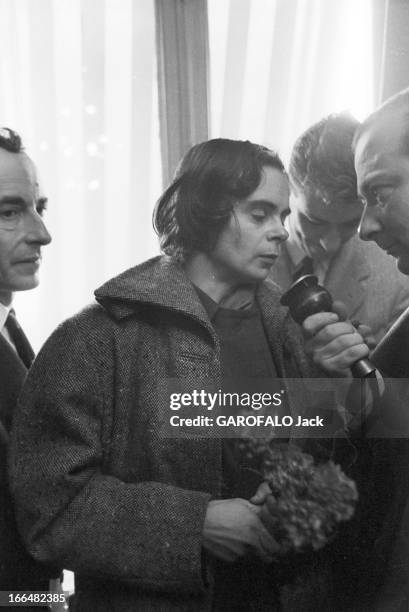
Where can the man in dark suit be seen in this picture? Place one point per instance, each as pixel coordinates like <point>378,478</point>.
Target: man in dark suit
<point>381,148</point>
<point>22,234</point>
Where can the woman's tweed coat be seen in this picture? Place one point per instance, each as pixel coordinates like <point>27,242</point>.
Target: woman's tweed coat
<point>98,490</point>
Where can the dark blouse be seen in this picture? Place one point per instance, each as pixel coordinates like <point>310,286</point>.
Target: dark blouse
<point>245,354</point>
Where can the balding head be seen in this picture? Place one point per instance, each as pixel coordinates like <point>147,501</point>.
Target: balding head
<point>381,148</point>
<point>393,116</point>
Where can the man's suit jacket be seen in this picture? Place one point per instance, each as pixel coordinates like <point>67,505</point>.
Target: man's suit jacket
<point>376,293</point>
<point>363,277</point>
<point>18,571</point>
<point>389,567</point>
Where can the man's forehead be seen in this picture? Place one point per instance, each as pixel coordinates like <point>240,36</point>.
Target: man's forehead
<point>381,139</point>
<point>16,168</point>
<point>11,160</point>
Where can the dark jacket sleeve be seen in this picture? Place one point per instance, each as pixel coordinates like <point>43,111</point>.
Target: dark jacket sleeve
<point>69,511</point>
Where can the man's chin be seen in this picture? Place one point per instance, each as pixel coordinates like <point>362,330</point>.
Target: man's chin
<point>25,284</point>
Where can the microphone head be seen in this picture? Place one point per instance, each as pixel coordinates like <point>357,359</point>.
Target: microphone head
<point>306,297</point>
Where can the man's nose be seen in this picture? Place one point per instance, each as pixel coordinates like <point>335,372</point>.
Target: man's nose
<point>369,224</point>
<point>37,231</point>
<point>332,240</point>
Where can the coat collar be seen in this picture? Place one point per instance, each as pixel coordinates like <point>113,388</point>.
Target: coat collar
<point>280,331</point>
<point>158,282</point>
<point>161,282</point>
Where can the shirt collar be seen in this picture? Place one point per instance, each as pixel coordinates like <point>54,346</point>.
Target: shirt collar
<point>296,253</point>
<point>4,313</point>
<point>240,301</point>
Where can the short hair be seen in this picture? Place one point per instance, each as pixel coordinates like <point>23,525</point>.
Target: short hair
<point>10,140</point>
<point>211,177</point>
<point>322,158</point>
<point>399,103</point>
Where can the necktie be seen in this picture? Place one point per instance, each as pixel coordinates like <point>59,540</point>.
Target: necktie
<point>304,267</point>
<point>23,347</point>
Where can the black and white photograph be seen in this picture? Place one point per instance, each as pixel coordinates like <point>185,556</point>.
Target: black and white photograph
<point>204,305</point>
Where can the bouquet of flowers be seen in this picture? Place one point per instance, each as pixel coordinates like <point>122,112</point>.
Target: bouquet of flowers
<point>310,499</point>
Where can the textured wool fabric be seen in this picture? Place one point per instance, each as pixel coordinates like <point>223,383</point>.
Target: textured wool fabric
<point>97,488</point>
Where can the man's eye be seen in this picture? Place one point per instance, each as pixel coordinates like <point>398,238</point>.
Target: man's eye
<point>9,213</point>
<point>381,195</point>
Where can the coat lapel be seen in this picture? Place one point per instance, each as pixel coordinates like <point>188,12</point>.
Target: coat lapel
<point>346,275</point>
<point>161,283</point>
<point>273,315</point>
<point>391,354</point>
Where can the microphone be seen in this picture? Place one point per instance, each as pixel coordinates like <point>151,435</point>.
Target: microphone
<point>306,297</point>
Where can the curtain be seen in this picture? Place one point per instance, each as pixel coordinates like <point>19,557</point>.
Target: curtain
<point>277,66</point>
<point>78,82</point>
<point>182,43</point>
<point>395,56</point>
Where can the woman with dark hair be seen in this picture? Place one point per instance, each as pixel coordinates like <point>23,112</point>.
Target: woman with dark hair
<point>211,177</point>
<point>146,521</point>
